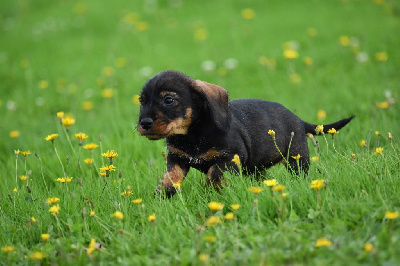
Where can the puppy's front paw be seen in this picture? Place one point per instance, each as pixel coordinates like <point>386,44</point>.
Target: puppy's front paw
<point>165,191</point>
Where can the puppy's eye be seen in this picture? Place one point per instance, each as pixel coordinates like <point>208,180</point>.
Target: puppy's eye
<point>168,100</point>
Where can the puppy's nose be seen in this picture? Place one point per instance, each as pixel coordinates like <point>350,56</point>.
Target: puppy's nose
<point>146,123</point>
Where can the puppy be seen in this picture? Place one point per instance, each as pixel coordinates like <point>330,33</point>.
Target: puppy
<point>204,130</point>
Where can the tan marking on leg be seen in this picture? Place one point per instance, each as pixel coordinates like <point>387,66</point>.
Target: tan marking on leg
<point>175,175</point>
<point>210,154</point>
<point>176,151</point>
<point>216,184</point>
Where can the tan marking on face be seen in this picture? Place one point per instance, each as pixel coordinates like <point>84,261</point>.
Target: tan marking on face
<point>210,154</point>
<point>173,176</point>
<point>180,126</point>
<point>176,151</point>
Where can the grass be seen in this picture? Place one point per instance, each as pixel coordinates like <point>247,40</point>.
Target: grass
<point>61,56</point>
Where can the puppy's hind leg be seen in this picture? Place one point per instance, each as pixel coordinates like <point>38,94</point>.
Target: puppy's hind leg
<point>215,173</point>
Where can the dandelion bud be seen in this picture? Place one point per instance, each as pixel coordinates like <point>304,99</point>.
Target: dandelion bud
<point>100,138</point>
<point>10,197</point>
<point>120,174</point>
<point>390,136</point>
<point>37,155</point>
<point>29,189</point>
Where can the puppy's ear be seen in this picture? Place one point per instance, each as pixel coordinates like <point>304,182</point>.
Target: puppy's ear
<point>217,99</point>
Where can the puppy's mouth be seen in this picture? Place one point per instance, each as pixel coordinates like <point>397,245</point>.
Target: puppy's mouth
<point>154,136</point>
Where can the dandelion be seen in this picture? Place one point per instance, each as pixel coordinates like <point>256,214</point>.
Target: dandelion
<point>213,221</point>
<point>87,105</point>
<point>120,62</point>
<point>279,188</point>
<point>23,177</point>
<point>256,190</point>
<point>271,133</point>
<point>108,71</point>
<point>110,154</point>
<point>297,157</point>
<point>319,129</point>
<point>15,190</point>
<point>34,220</point>
<point>66,179</point>
<point>248,13</point>
<point>284,195</point>
<point>107,93</point>
<point>368,247</point>
<point>68,121</point>
<point>235,207</point>
<point>90,146</point>
<point>200,34</point>
<point>290,53</point>
<point>391,215</point>
<point>321,114</point>
<point>382,105</point>
<point>43,84</point>
<point>381,56</point>
<point>315,159</point>
<point>323,242</point>
<point>55,209</point>
<point>37,255</point>
<point>141,26</point>
<point>137,201</point>
<point>333,131</point>
<point>378,150</point>
<point>215,206</point>
<point>177,185</point>
<point>353,156</point>
<point>152,217</point>
<point>270,183</point>
<point>92,213</point>
<point>81,137</point>
<point>363,143</point>
<point>52,200</point>
<point>204,258</point>
<point>25,153</point>
<point>127,193</point>
<point>210,238</point>
<point>317,184</point>
<point>344,40</point>
<point>308,61</point>
<point>92,246</point>
<point>236,159</point>
<point>51,137</point>
<point>118,215</point>
<point>45,237</point>
<point>136,99</point>
<point>7,249</point>
<point>107,169</point>
<point>14,134</point>
<point>60,115</point>
<point>229,216</point>
<point>88,161</point>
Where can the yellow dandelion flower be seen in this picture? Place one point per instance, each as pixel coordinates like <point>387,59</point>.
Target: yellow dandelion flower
<point>66,179</point>
<point>382,105</point>
<point>378,150</point>
<point>271,182</point>
<point>107,93</point>
<point>308,61</point>
<point>81,136</point>
<point>284,195</point>
<point>279,188</point>
<point>68,121</point>
<point>256,190</point>
<point>321,114</point>
<point>137,201</point>
<point>92,246</point>
<point>235,207</point>
<point>87,105</point>
<point>107,168</point>
<point>88,161</point>
<point>120,62</point>
<point>55,209</point>
<point>141,26</point>
<point>248,13</point>
<point>7,249</point>
<point>333,131</point>
<point>52,200</point>
<point>368,247</point>
<point>229,216</point>
<point>204,258</point>
<point>213,221</point>
<point>152,217</point>
<point>391,215</point>
<point>34,220</point>
<point>127,193</point>
<point>200,34</point>
<point>177,184</point>
<point>290,53</point>
<point>353,156</point>
<point>297,157</point>
<point>37,255</point>
<point>17,152</point>
<point>14,134</point>
<point>215,206</point>
<point>110,154</point>
<point>25,153</point>
<point>377,132</point>
<point>319,129</point>
<point>43,84</point>
<point>381,56</point>
<point>236,159</point>
<point>90,146</point>
<point>210,238</point>
<point>363,143</point>
<point>271,133</point>
<point>118,215</point>
<point>45,237</point>
<point>323,242</point>
<point>317,184</point>
<point>136,99</point>
<point>23,177</point>
<point>60,115</point>
<point>315,159</point>
<point>344,40</point>
<point>15,190</point>
<point>51,137</point>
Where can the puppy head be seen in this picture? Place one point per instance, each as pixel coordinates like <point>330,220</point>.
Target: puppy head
<point>172,101</point>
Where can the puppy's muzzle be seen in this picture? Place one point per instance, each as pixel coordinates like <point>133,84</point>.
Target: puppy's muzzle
<point>146,123</point>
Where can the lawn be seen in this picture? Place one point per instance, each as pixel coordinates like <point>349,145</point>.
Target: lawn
<point>70,67</point>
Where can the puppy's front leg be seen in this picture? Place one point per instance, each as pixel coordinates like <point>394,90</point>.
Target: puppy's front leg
<point>215,173</point>
<point>176,173</point>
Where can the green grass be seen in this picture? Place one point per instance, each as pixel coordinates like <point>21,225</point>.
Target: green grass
<point>69,44</point>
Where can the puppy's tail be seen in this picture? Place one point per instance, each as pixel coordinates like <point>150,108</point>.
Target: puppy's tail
<point>310,128</point>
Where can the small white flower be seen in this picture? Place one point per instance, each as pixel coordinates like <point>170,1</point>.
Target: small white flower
<point>231,63</point>
<point>208,65</point>
<point>146,72</point>
<point>362,57</point>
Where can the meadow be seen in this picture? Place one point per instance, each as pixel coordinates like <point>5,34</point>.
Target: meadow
<point>78,182</point>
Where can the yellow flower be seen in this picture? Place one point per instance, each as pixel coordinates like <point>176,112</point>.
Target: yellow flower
<point>279,188</point>
<point>14,134</point>
<point>66,179</point>
<point>204,258</point>
<point>382,105</point>
<point>377,132</point>
<point>92,246</point>
<point>284,195</point>
<point>120,62</point>
<point>177,184</point>
<point>52,200</point>
<point>25,153</point>
<point>368,247</point>
<point>256,190</point>
<point>315,159</point>
<point>37,255</point>
<point>308,61</point>
<point>321,114</point>
<point>81,136</point>
<point>107,93</point>
<point>23,177</point>
<point>391,215</point>
<point>333,131</point>
<point>271,133</point>
<point>7,249</point>
<point>136,99</point>
<point>215,206</point>
<point>51,137</point>
<point>60,115</point>
<point>87,105</point>
<point>127,193</point>
<point>210,238</point>
<point>92,213</point>
<point>213,221</point>
<point>34,220</point>
<point>55,209</point>
<point>68,121</point>
<point>235,207</point>
<point>378,150</point>
<point>290,53</point>
<point>110,154</point>
<point>381,56</point>
<point>152,217</point>
<point>323,242</point>
<point>88,161</point>
<point>297,157</point>
<point>15,190</point>
<point>108,71</point>
<point>45,237</point>
<point>17,152</point>
<point>108,168</point>
<point>236,159</point>
<point>43,84</point>
<point>319,129</point>
<point>248,13</point>
<point>118,215</point>
<point>141,26</point>
<point>200,34</point>
<point>271,182</point>
<point>317,184</point>
<point>353,156</point>
<point>90,146</point>
<point>137,201</point>
<point>229,216</point>
<point>363,143</point>
<point>344,40</point>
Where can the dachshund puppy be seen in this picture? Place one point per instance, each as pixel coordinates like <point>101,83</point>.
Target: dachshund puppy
<point>204,130</point>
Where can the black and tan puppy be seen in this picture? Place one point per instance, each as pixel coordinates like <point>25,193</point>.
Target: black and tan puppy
<point>205,130</point>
